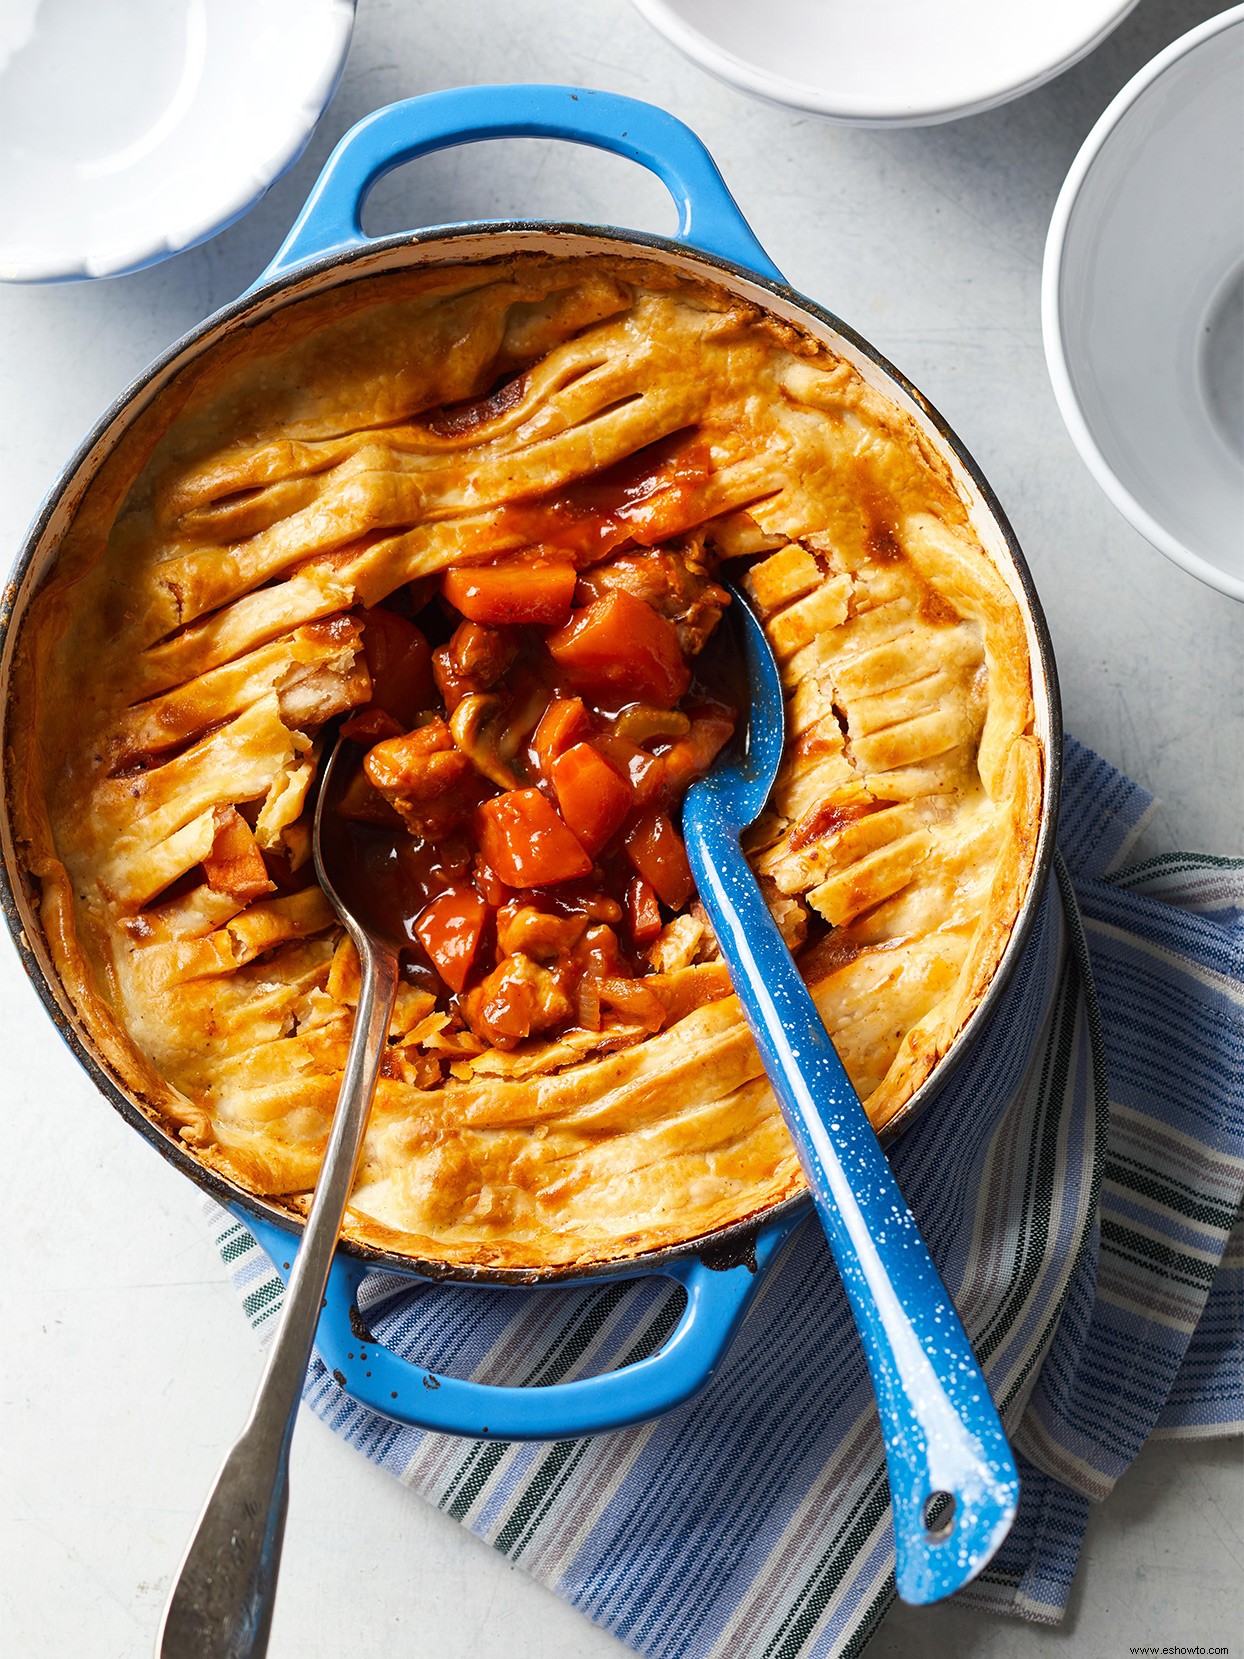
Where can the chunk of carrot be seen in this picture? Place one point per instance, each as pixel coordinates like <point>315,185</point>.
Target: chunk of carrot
<point>657,853</point>
<point>643,914</point>
<point>537,591</point>
<point>489,883</point>
<point>527,843</point>
<point>594,799</point>
<point>564,723</point>
<point>646,772</point>
<point>450,930</point>
<point>619,646</point>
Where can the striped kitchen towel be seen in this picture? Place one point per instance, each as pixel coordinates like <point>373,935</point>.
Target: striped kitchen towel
<point>1084,1227</point>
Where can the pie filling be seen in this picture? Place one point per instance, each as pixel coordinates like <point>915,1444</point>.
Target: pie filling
<point>513,821</point>
<point>480,518</point>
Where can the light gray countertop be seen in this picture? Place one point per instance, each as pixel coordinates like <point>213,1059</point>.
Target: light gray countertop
<point>127,1365</point>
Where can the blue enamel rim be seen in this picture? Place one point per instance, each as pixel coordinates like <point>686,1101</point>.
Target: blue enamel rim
<point>719,1270</point>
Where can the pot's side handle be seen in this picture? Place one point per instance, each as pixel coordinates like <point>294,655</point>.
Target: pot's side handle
<point>709,218</point>
<point>374,1376</point>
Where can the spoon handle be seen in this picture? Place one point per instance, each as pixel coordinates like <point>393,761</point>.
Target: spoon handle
<point>221,1606</point>
<point>942,1434</point>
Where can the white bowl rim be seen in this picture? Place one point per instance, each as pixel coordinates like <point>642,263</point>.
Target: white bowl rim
<point>35,267</point>
<point>864,112</point>
<point>1051,312</point>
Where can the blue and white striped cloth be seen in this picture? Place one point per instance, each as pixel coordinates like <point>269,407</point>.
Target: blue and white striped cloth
<point>1084,1226</point>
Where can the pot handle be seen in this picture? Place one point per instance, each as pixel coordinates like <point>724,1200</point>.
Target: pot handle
<point>375,1377</point>
<point>709,217</point>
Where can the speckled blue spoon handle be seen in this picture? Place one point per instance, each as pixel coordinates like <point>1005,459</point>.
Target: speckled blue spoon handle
<point>942,1433</point>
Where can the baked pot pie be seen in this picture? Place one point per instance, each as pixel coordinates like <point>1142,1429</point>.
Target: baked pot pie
<point>482,515</point>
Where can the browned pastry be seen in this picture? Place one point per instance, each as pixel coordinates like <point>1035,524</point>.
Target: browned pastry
<point>210,610</point>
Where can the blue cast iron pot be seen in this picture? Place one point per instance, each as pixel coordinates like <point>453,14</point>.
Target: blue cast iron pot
<point>326,248</point>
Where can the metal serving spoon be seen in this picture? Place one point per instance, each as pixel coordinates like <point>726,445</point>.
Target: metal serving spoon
<point>953,1482</point>
<point>221,1606</point>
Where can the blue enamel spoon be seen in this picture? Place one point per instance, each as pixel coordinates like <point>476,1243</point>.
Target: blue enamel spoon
<point>953,1482</point>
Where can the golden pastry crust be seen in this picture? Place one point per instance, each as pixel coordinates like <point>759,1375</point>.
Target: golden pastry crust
<point>197,629</point>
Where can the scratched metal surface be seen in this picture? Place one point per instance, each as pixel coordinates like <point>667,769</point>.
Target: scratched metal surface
<point>127,1365</point>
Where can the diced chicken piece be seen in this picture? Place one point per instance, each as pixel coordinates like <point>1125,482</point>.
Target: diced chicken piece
<point>518,999</point>
<point>473,661</point>
<point>311,693</point>
<point>422,776</point>
<point>600,955</point>
<point>521,928</point>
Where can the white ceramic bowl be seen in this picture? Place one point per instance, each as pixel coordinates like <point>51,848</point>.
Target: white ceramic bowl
<point>130,132</point>
<point>1143,302</point>
<point>894,63</point>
